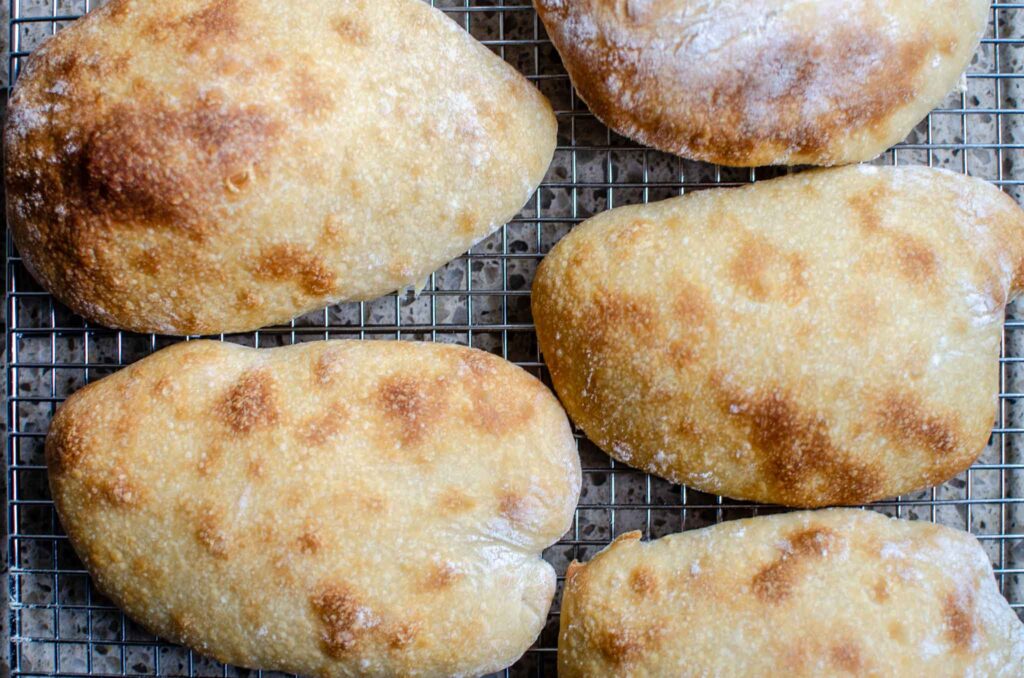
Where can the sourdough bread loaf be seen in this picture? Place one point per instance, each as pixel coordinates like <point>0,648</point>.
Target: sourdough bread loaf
<point>807,594</point>
<point>327,509</point>
<point>775,82</point>
<point>208,166</point>
<point>830,337</point>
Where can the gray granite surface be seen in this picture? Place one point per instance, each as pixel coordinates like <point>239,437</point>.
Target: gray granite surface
<point>64,626</point>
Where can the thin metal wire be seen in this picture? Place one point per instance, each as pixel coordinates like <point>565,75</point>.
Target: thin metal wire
<point>61,626</point>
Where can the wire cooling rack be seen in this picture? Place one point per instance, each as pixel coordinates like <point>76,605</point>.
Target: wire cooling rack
<point>61,626</point>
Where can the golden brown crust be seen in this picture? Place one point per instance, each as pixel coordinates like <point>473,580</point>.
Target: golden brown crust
<point>234,170</point>
<point>242,523</point>
<point>787,595</point>
<point>778,343</point>
<point>778,82</point>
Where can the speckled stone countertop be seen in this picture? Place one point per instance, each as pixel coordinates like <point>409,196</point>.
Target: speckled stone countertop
<point>483,300</point>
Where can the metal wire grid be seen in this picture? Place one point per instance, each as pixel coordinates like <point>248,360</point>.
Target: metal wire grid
<point>61,626</point>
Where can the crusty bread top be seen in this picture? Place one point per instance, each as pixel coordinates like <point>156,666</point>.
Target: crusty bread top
<point>825,338</point>
<point>331,508</point>
<point>203,166</point>
<point>807,594</point>
<point>769,82</point>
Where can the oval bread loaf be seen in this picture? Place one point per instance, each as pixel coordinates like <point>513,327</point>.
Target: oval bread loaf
<point>825,338</point>
<point>827,593</point>
<point>207,166</point>
<point>329,509</point>
<point>771,82</point>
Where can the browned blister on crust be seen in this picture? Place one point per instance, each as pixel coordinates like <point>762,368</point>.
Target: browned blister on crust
<point>772,82</point>
<point>827,593</point>
<point>201,166</point>
<point>330,509</point>
<point>825,338</point>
